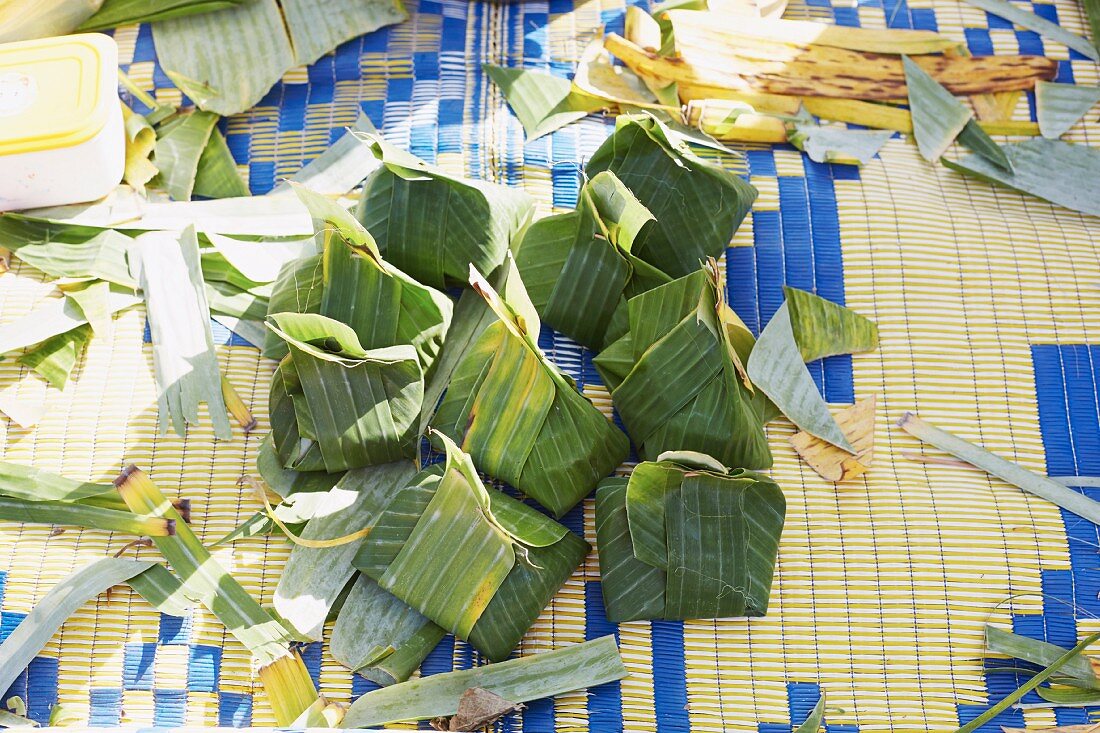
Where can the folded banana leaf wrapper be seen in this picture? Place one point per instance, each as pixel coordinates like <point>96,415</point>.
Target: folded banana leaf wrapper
<point>434,226</point>
<point>698,206</point>
<point>686,328</point>
<point>520,417</point>
<point>685,537</point>
<point>472,560</point>
<point>351,389</point>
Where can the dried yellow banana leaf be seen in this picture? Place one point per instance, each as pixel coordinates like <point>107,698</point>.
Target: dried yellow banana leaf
<point>473,560</point>
<point>687,538</point>
<point>686,328</point>
<point>520,417</point>
<point>811,70</point>
<point>858,425</point>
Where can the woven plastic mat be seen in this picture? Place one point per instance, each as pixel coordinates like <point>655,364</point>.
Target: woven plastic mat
<point>988,305</point>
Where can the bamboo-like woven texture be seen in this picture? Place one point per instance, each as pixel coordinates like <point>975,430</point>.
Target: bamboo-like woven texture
<point>987,303</point>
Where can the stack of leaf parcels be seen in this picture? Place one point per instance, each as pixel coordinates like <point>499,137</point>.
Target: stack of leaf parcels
<point>350,391</point>
<point>685,537</point>
<point>521,418</point>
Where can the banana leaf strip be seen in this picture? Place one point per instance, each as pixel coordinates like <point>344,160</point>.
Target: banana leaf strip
<point>184,361</point>
<point>342,167</point>
<point>977,140</point>
<point>53,317</point>
<point>730,28</point>
<point>273,216</point>
<point>1069,697</point>
<point>257,262</point>
<point>1007,471</point>
<point>475,561</point>
<point>683,541</point>
<point>812,724</point>
<point>1058,107</point>
<point>94,300</point>
<point>162,590</point>
<point>358,407</point>
<point>217,176</point>
<point>180,143</point>
<point>518,680</point>
<point>32,484</point>
<point>542,102</point>
<point>39,626</point>
<point>938,117</point>
<point>1079,672</point>
<point>521,419</point>
<point>837,144</point>
<point>434,226</point>
<point>823,328</point>
<point>379,636</point>
<point>1039,24</point>
<point>650,162</point>
<point>1048,169</point>
<point>313,578</point>
<point>83,515</point>
<point>686,328</point>
<point>141,139</point>
<point>227,60</point>
<point>55,358</point>
<point>777,369</point>
<point>102,255</point>
<point>228,300</point>
<point>1092,482</point>
<point>113,13</point>
<point>578,266</point>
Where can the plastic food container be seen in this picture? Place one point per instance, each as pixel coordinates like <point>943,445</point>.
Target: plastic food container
<point>61,131</point>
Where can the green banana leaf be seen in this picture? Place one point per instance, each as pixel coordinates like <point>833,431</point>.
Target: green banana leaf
<point>113,13</point>
<point>709,205</point>
<point>1048,169</point>
<point>94,300</point>
<point>1058,107</point>
<point>832,144</point>
<point>180,143</point>
<point>813,721</point>
<point>185,363</point>
<point>342,167</point>
<point>313,577</point>
<point>475,561</point>
<point>380,636</point>
<point>680,540</point>
<point>297,289</point>
<point>578,266</point>
<point>938,117</point>
<point>360,407</point>
<point>776,368</point>
<point>1078,672</point>
<point>33,484</point>
<point>686,328</point>
<point>521,419</point>
<point>822,328</point>
<point>54,317</point>
<point>1068,697</point>
<point>55,358</point>
<point>217,176</point>
<point>542,102</point>
<point>978,140</point>
<point>76,252</point>
<point>227,60</point>
<point>471,222</point>
<point>517,680</point>
<point>82,515</point>
<point>1039,24</point>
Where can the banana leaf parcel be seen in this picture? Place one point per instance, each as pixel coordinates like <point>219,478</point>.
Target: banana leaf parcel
<point>686,328</point>
<point>350,391</point>
<point>686,538</point>
<point>433,225</point>
<point>698,221</point>
<point>475,561</point>
<point>579,268</point>
<point>520,417</point>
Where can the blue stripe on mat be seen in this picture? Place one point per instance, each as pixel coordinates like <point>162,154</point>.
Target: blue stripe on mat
<point>669,677</point>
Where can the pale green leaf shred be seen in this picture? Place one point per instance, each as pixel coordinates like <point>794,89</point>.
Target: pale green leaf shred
<point>1058,107</point>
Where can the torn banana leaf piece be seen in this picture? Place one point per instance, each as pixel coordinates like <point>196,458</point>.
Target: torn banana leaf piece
<point>938,117</point>
<point>520,417</point>
<point>55,358</point>
<point>180,143</point>
<point>1059,172</point>
<point>313,577</point>
<point>434,226</point>
<point>826,144</point>
<point>70,252</point>
<point>342,167</point>
<point>681,540</point>
<point>687,329</point>
<point>380,636</point>
<point>227,60</point>
<point>1058,107</point>
<point>823,328</point>
<point>475,561</point>
<point>542,102</point>
<point>53,317</point>
<point>185,363</point>
<point>579,268</point>
<point>700,220</point>
<point>777,369</point>
<point>518,680</point>
<point>858,425</point>
<point>141,139</point>
<point>359,407</point>
<point>1079,672</point>
<point>113,13</point>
